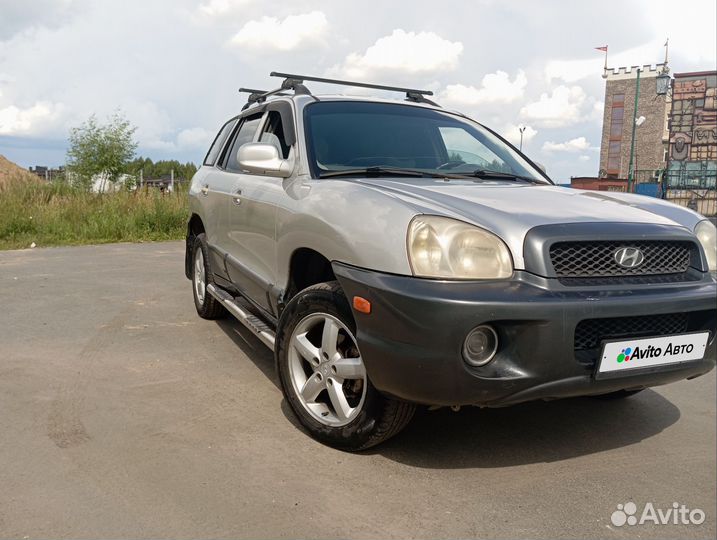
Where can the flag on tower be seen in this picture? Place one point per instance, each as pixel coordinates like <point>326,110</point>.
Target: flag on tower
<point>603,49</point>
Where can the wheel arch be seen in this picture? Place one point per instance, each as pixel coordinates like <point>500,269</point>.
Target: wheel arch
<point>307,267</point>
<point>195,226</point>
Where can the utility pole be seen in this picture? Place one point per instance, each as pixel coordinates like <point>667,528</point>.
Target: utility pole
<point>171,181</point>
<point>631,172</point>
<point>521,129</point>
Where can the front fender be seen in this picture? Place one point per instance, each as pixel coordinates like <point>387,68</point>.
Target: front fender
<point>345,222</point>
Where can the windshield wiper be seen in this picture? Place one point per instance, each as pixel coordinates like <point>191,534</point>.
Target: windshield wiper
<point>382,171</point>
<point>497,175</point>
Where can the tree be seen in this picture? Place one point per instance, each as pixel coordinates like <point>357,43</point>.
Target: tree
<point>158,169</point>
<point>100,149</point>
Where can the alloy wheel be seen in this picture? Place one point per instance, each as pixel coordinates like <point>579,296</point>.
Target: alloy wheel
<point>326,369</point>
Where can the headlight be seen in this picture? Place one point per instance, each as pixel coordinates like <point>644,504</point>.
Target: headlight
<point>440,247</point>
<point>706,233</point>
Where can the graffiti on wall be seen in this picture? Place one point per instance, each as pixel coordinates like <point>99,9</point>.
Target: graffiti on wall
<point>693,131</point>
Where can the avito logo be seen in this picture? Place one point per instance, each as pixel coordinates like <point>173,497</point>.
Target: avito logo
<point>679,514</point>
<point>639,353</point>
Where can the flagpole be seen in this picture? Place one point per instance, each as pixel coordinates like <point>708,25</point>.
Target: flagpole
<point>603,49</point>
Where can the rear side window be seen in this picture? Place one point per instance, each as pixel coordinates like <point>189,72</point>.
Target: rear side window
<point>274,134</point>
<point>245,134</point>
<point>219,142</point>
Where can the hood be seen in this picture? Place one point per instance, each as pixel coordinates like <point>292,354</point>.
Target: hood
<point>510,210</point>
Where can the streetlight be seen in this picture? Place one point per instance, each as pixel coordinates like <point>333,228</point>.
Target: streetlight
<point>662,87</point>
<point>521,129</point>
<point>663,83</point>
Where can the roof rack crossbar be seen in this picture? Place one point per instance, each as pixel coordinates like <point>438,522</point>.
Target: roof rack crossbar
<point>251,91</point>
<point>259,96</point>
<point>292,81</point>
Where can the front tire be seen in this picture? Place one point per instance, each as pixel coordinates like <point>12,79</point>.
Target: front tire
<point>323,377</point>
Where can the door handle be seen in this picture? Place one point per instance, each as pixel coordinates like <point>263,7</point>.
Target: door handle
<point>235,198</point>
<point>205,189</point>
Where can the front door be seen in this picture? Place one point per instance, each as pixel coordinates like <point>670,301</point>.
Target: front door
<point>252,219</point>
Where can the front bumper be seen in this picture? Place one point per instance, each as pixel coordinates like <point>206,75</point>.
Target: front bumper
<point>411,342</point>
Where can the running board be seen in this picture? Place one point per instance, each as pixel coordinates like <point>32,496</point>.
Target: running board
<point>262,330</point>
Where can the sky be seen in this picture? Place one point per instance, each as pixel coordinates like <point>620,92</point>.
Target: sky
<point>173,67</point>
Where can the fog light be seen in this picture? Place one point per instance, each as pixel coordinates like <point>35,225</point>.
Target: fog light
<point>480,345</point>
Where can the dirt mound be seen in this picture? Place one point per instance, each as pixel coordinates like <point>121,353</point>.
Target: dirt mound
<point>10,172</point>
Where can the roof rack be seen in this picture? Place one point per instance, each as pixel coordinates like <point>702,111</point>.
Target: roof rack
<point>257,96</point>
<point>296,83</point>
<point>291,81</point>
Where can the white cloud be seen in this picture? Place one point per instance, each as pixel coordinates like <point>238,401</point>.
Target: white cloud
<point>408,52</point>
<point>195,137</point>
<point>215,8</point>
<point>495,88</point>
<point>21,16</point>
<point>584,158</point>
<point>578,144</point>
<point>512,133</point>
<point>17,121</point>
<point>563,107</point>
<point>571,71</point>
<point>282,35</point>
<point>692,41</point>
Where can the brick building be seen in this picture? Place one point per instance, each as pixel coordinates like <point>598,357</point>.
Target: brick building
<point>598,184</point>
<point>651,136</point>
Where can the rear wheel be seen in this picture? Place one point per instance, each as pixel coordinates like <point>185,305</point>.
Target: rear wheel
<point>207,306</point>
<point>323,376</point>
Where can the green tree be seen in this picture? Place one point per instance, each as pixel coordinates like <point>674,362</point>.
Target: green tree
<point>100,149</point>
<point>157,169</point>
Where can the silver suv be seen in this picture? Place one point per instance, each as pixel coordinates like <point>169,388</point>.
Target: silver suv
<point>395,254</point>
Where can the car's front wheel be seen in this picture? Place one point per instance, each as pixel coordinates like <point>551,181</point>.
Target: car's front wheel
<point>323,376</point>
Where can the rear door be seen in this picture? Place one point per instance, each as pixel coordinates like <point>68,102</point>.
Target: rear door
<point>211,197</point>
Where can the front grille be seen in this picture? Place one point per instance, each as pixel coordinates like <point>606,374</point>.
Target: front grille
<point>591,332</point>
<point>573,260</point>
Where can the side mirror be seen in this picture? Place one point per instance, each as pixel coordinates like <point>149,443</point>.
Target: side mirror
<point>541,167</point>
<point>263,158</point>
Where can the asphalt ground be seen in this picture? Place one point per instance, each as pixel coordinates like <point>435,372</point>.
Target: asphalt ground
<point>124,415</point>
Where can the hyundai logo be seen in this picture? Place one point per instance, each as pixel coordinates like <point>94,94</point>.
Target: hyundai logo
<point>629,257</point>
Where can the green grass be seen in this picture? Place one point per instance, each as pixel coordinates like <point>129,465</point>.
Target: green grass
<point>58,215</point>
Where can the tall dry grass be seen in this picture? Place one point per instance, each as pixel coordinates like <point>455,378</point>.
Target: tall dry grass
<point>55,214</point>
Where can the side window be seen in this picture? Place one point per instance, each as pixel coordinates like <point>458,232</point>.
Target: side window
<point>274,133</point>
<point>243,135</point>
<point>216,146</point>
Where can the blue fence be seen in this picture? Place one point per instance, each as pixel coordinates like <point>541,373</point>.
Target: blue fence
<point>649,189</point>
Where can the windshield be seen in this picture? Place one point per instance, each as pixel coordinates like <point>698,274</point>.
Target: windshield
<point>351,136</point>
